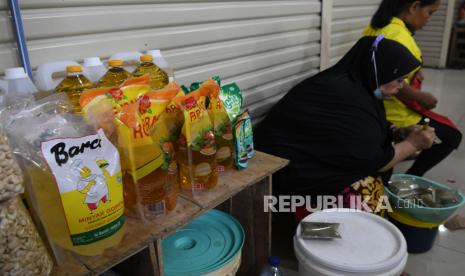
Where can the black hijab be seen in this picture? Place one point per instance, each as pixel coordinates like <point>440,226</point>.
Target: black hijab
<point>331,126</point>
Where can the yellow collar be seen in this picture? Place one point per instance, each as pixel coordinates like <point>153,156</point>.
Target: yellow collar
<point>400,22</point>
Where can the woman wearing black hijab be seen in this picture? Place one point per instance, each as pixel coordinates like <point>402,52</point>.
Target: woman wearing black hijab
<point>333,129</point>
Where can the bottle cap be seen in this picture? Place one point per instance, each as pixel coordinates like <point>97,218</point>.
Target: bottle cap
<point>15,73</point>
<point>73,69</point>
<point>92,61</point>
<point>146,58</point>
<point>274,261</point>
<point>115,62</point>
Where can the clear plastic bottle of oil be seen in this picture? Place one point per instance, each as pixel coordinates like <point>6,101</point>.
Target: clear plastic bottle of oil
<point>158,77</point>
<point>115,76</point>
<point>73,85</point>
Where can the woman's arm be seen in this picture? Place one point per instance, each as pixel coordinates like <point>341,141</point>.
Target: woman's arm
<point>426,99</point>
<point>418,139</point>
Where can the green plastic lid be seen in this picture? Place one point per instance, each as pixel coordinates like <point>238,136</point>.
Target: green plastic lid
<point>207,244</point>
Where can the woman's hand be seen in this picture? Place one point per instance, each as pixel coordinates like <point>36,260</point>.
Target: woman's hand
<point>421,137</point>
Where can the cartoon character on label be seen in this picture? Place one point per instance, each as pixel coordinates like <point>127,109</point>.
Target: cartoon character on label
<point>94,186</point>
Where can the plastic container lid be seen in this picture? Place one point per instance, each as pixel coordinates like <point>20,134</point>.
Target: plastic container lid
<point>92,61</point>
<point>146,58</point>
<point>207,244</point>
<point>411,221</point>
<point>73,68</point>
<point>15,73</point>
<point>115,62</point>
<point>369,243</point>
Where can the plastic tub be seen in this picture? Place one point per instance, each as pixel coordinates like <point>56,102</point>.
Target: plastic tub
<point>427,214</point>
<point>419,235</point>
<point>210,245</point>
<point>370,245</point>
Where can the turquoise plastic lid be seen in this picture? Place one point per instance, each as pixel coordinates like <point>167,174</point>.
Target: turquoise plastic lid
<point>207,244</point>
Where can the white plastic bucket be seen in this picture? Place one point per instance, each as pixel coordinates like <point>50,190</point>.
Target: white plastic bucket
<point>370,245</point>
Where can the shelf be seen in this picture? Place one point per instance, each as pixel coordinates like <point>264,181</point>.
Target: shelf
<point>141,236</point>
<point>261,166</point>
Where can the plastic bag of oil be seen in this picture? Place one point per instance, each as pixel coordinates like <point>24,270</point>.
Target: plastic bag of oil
<point>149,170</point>
<point>222,127</point>
<point>74,175</point>
<point>197,165</point>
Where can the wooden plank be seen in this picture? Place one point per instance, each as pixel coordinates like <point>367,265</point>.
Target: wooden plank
<point>183,214</point>
<point>157,245</point>
<point>261,166</point>
<point>262,223</point>
<point>71,267</point>
<point>242,210</point>
<point>139,236</point>
<point>146,238</point>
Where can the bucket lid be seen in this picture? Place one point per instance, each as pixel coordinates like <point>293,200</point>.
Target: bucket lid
<point>207,244</point>
<point>404,218</point>
<point>369,243</point>
<point>92,61</point>
<point>15,73</point>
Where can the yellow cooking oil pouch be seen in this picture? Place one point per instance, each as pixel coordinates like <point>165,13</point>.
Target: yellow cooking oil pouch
<point>198,168</point>
<point>146,184</point>
<point>74,176</point>
<point>222,127</point>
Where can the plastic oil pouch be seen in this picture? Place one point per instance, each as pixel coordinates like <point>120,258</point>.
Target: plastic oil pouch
<point>74,176</point>
<point>319,230</point>
<point>222,128</point>
<point>198,166</point>
<point>149,185</point>
<point>231,97</point>
<point>243,141</point>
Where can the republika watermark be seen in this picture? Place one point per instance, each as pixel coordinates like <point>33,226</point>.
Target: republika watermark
<point>288,203</point>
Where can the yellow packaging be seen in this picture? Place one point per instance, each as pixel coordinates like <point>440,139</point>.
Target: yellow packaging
<point>87,171</point>
<point>74,181</point>
<point>149,176</point>
<point>222,127</point>
<point>199,172</point>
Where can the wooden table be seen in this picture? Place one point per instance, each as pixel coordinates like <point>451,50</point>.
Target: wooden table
<point>241,193</point>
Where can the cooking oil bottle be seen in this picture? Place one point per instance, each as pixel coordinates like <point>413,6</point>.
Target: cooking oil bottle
<point>73,85</point>
<point>158,77</point>
<point>115,76</point>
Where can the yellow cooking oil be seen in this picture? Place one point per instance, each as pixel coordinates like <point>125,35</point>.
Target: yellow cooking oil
<point>73,85</point>
<point>158,77</point>
<point>197,169</point>
<point>115,76</point>
<point>49,207</point>
<point>224,154</point>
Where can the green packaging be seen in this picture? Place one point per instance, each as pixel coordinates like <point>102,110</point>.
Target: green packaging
<point>231,96</point>
<point>243,141</point>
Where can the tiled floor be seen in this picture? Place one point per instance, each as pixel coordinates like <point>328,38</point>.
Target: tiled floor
<point>448,254</point>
